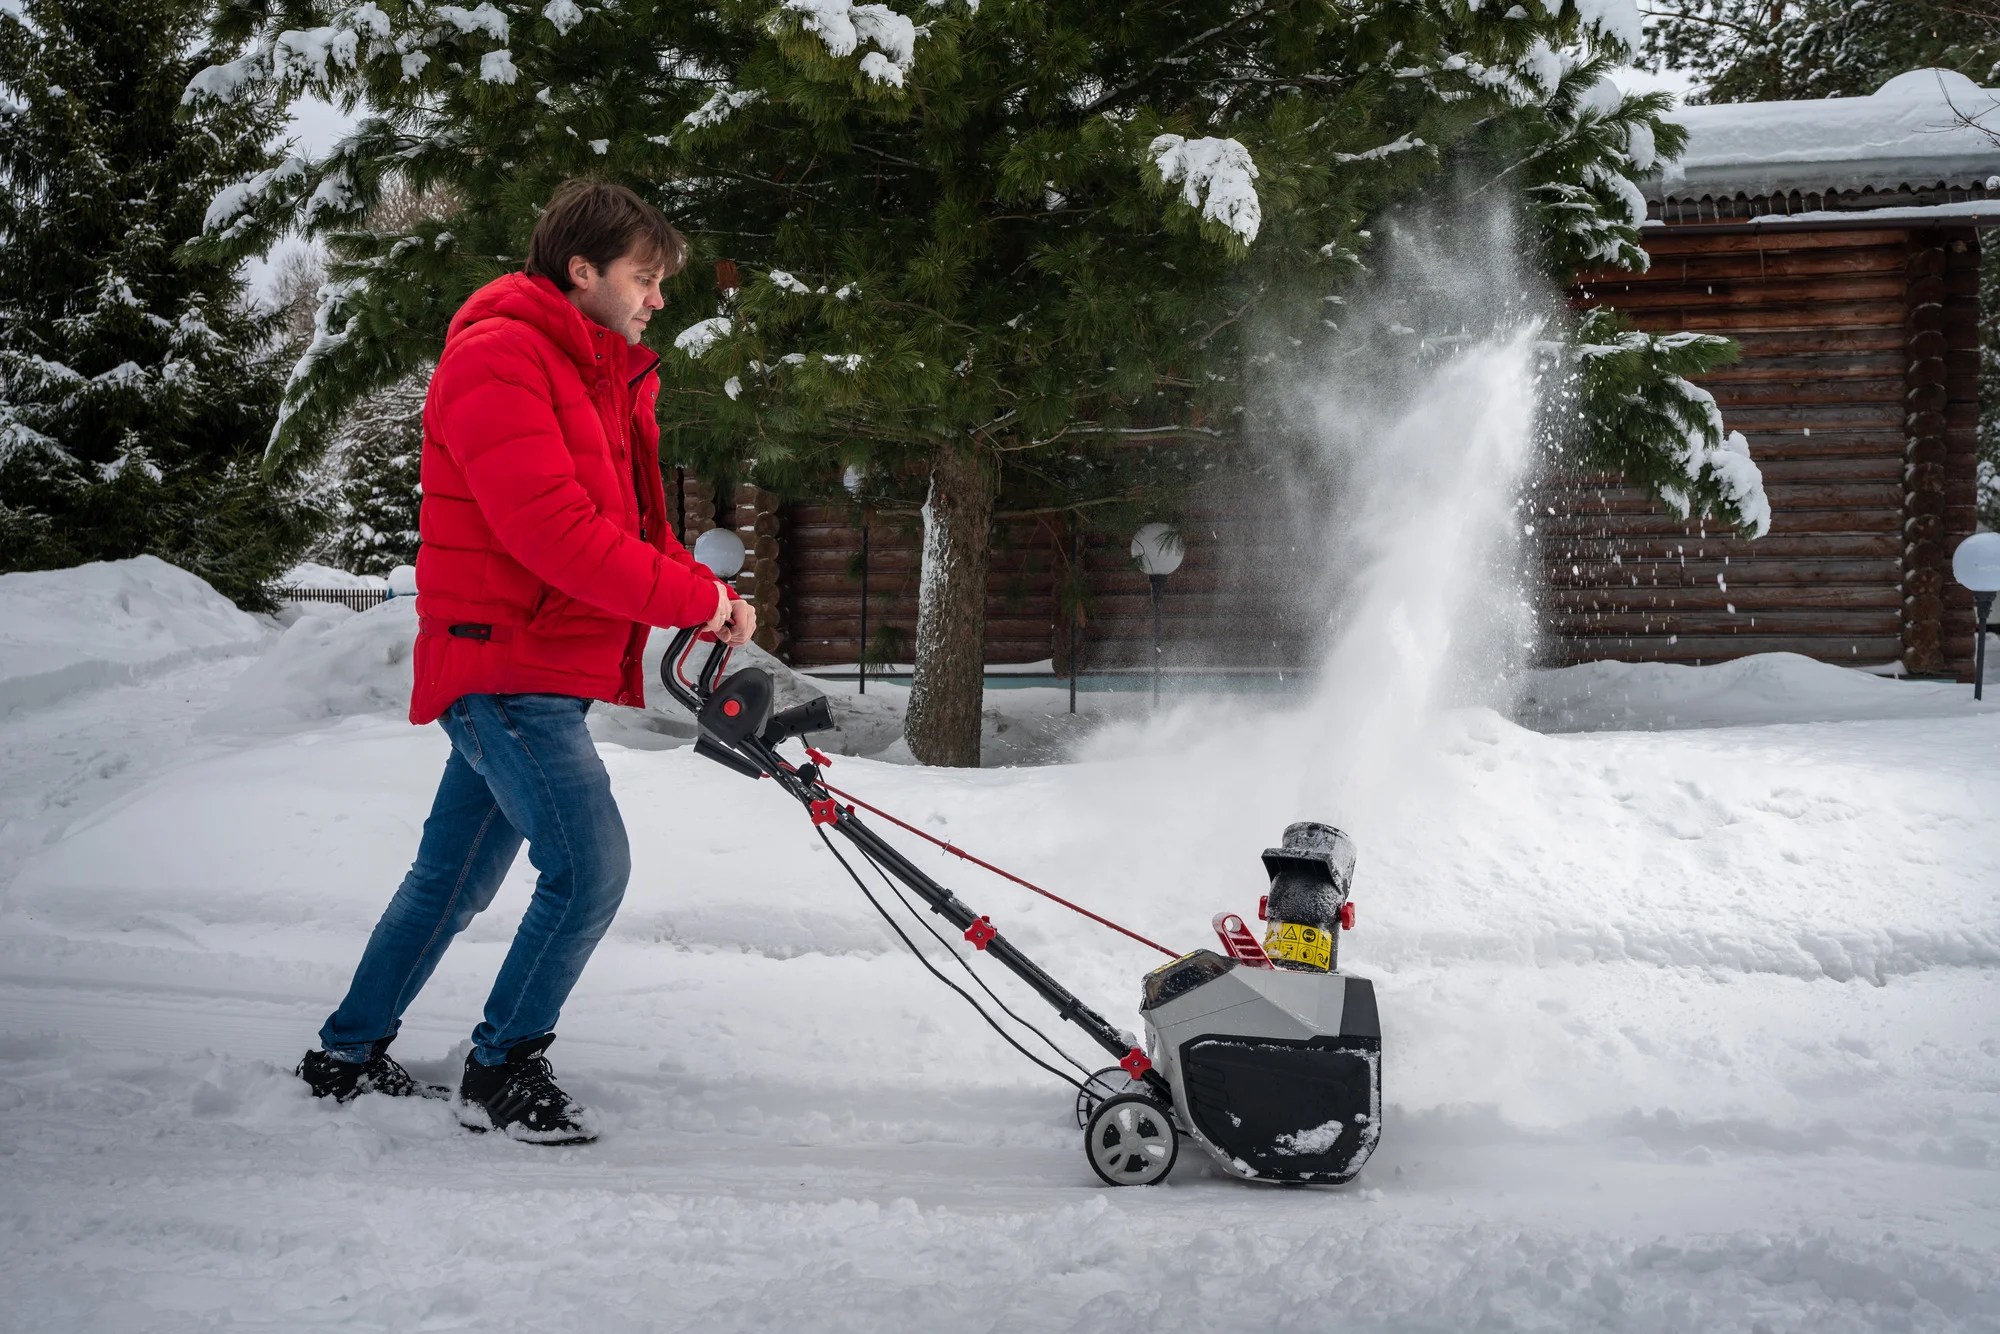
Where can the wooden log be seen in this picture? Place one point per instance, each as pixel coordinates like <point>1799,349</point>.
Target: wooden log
<point>1736,395</point>
<point>1856,649</point>
<point>1789,525</point>
<point>1786,470</point>
<point>1661,242</point>
<point>1755,571</point>
<point>1820,441</point>
<point>1745,597</point>
<point>1705,266</point>
<point>1815,621</point>
<point>1746,292</point>
<point>1772,318</point>
<point>1872,338</point>
<point>1817,417</point>
<point>1842,364</point>
<point>1790,496</point>
<point>1662,549</point>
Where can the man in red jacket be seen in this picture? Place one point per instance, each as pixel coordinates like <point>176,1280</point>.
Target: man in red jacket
<point>546,558</point>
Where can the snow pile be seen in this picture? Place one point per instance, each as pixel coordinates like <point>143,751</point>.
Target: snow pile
<point>311,574</point>
<point>109,622</point>
<point>331,663</point>
<point>1761,689</point>
<point>1216,176</point>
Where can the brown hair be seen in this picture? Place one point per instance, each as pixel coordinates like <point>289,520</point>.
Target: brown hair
<point>601,222</point>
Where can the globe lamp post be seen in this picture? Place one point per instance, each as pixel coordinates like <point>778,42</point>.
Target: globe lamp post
<point>1976,565</point>
<point>721,550</point>
<point>1157,551</point>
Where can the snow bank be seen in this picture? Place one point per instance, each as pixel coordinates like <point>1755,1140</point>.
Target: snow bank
<point>62,631</point>
<point>311,574</point>
<point>1762,688</point>
<point>331,663</point>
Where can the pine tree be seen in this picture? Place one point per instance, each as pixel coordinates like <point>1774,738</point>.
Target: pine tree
<point>983,248</point>
<point>135,389</point>
<point>1785,50</point>
<point>380,444</point>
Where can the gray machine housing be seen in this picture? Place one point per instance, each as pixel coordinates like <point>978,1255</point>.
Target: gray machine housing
<point>1276,1073</point>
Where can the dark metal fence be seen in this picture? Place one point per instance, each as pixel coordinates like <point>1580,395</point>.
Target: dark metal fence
<point>361,599</point>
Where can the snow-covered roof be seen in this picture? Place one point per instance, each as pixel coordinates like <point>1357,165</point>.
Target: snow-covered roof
<point>1911,131</point>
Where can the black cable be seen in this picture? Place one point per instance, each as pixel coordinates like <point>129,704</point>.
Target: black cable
<point>964,995</point>
<point>960,960</point>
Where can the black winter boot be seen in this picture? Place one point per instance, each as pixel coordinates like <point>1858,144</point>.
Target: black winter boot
<point>343,1081</point>
<point>520,1098</point>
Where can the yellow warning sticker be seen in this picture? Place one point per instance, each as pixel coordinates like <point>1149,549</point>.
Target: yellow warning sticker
<point>1299,944</point>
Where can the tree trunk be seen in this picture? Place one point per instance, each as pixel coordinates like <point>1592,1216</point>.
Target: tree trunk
<point>942,725</point>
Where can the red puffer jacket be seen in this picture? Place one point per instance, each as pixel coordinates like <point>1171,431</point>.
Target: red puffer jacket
<point>546,554</point>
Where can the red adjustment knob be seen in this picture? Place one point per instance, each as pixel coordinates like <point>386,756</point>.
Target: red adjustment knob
<point>824,812</point>
<point>1136,1063</point>
<point>730,708</point>
<point>1347,917</point>
<point>980,932</point>
<point>817,758</point>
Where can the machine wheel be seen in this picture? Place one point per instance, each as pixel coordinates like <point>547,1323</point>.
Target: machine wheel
<point>1130,1141</point>
<point>1106,1083</point>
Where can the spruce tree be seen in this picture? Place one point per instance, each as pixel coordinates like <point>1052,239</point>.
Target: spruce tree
<point>973,248</point>
<point>379,447</point>
<point>135,388</point>
<point>1785,50</point>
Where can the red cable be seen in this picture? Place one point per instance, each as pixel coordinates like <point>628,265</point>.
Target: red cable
<point>1007,875</point>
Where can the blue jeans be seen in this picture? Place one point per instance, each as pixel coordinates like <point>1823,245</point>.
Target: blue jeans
<point>520,766</point>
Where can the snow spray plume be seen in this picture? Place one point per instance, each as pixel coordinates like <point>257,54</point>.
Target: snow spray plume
<point>1393,449</point>
<point>1403,441</point>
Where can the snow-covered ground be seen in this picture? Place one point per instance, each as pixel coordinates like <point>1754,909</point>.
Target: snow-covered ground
<point>1691,1006</point>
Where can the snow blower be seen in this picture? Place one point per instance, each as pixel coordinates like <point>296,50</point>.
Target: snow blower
<point>1264,1054</point>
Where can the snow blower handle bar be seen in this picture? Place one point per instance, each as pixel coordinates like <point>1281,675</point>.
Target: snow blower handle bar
<point>737,729</point>
<point>673,670</point>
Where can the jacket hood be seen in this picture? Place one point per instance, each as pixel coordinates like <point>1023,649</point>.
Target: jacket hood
<point>535,300</point>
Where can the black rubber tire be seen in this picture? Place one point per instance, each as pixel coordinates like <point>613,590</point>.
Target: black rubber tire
<point>1106,1083</point>
<point>1130,1141</point>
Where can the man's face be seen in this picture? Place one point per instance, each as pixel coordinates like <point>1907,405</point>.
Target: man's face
<point>621,297</point>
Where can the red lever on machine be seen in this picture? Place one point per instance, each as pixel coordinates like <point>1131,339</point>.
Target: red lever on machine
<point>1238,943</point>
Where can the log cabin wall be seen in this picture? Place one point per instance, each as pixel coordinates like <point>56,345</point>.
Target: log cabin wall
<point>807,562</point>
<point>821,575</point>
<point>1857,390</point>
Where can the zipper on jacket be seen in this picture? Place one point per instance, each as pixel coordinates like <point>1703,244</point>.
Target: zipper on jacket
<point>631,445</point>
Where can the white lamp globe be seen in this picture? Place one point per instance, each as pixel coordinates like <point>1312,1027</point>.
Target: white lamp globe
<point>721,551</point>
<point>1156,549</point>
<point>854,479</point>
<point>403,581</point>
<point>1976,563</point>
